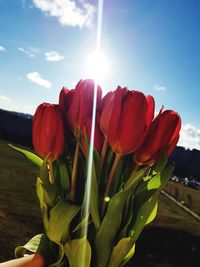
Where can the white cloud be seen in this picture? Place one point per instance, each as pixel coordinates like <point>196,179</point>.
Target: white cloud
<point>68,12</point>
<point>29,51</point>
<point>53,56</point>
<point>159,87</point>
<point>8,104</point>
<point>189,137</point>
<point>2,49</point>
<point>35,77</point>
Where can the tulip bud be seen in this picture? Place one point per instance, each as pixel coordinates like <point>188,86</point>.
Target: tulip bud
<point>174,139</point>
<point>63,99</point>
<point>107,106</point>
<point>80,107</point>
<point>98,137</point>
<point>151,109</point>
<point>48,131</point>
<point>162,136</point>
<point>128,120</point>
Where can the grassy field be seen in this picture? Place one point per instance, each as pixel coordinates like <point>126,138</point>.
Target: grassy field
<point>173,235</point>
<point>187,195</point>
<point>19,210</point>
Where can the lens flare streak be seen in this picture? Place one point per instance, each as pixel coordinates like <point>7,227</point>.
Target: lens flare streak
<point>90,159</point>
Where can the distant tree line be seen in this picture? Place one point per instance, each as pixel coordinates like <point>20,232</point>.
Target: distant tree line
<point>16,127</point>
<point>187,162</point>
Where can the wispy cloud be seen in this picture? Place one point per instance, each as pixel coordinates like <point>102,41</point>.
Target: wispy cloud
<point>159,87</point>
<point>190,137</point>
<point>4,101</point>
<point>35,77</point>
<point>68,12</point>
<point>30,51</point>
<point>8,104</point>
<point>2,48</point>
<point>53,56</point>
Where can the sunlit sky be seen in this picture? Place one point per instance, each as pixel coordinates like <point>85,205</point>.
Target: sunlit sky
<point>151,45</point>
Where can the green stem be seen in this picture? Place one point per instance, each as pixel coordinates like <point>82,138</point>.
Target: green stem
<point>74,173</point>
<point>136,167</point>
<point>110,179</point>
<point>103,151</point>
<point>52,177</point>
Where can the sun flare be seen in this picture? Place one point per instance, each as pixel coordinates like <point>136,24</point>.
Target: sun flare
<point>97,66</point>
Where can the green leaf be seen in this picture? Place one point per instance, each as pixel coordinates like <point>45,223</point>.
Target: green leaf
<point>127,217</point>
<point>31,246</point>
<point>109,227</point>
<point>38,244</point>
<point>43,205</point>
<point>112,219</point>
<point>46,191</point>
<point>143,214</point>
<point>61,216</point>
<point>159,181</point>
<point>84,223</point>
<point>51,194</point>
<point>120,251</point>
<point>97,164</point>
<point>146,201</point>
<point>31,156</point>
<point>160,164</point>
<point>44,172</point>
<point>94,194</point>
<point>47,195</point>
<point>153,213</point>
<point>134,179</point>
<point>60,258</point>
<point>94,198</point>
<point>129,255</point>
<point>64,177</point>
<point>78,252</point>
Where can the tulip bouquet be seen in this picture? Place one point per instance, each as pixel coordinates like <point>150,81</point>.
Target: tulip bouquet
<point>129,169</point>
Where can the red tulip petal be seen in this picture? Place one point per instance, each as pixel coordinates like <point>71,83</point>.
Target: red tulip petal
<point>151,109</point>
<point>133,121</point>
<point>107,106</point>
<point>119,94</point>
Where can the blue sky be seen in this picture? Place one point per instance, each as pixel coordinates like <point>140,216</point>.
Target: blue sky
<point>153,46</point>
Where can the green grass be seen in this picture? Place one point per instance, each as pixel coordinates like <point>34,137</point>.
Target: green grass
<point>19,208</point>
<point>20,217</point>
<point>188,195</point>
<point>173,217</point>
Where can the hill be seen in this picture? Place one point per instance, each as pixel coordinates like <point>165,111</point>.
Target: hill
<point>16,127</point>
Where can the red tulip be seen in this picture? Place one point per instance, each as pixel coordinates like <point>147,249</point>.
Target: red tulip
<point>174,140</point>
<point>64,99</point>
<point>107,106</point>
<point>98,137</point>
<point>151,109</point>
<point>161,137</point>
<point>80,108</point>
<point>48,131</point>
<point>172,145</point>
<point>128,120</point>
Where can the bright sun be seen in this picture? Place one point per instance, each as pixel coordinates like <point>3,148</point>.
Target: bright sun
<point>97,66</point>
